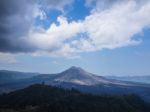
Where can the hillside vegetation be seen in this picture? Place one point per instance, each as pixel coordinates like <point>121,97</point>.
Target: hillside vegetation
<point>43,98</point>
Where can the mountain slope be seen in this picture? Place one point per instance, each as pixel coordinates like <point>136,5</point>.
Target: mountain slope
<point>42,98</point>
<point>11,76</point>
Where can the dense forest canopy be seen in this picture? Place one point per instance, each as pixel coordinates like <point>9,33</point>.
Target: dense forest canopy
<point>44,98</point>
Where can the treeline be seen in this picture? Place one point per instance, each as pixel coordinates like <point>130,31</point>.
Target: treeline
<point>43,98</point>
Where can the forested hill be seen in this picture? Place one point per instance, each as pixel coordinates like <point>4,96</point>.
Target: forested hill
<point>43,98</point>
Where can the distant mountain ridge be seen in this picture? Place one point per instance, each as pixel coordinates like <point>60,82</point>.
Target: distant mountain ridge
<point>82,80</point>
<point>7,76</point>
<point>79,76</point>
<point>142,79</point>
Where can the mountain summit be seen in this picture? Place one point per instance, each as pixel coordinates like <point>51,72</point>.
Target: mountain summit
<point>77,75</point>
<point>74,71</point>
<point>75,68</point>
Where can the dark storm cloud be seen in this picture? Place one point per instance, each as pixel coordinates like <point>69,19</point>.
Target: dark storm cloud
<point>17,18</point>
<point>15,22</point>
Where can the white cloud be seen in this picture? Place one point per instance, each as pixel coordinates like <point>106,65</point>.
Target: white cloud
<point>110,28</point>
<point>53,39</point>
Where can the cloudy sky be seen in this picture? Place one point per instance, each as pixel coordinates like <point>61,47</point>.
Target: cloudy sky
<point>106,37</point>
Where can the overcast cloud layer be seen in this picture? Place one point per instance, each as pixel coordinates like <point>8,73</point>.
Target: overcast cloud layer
<point>111,24</point>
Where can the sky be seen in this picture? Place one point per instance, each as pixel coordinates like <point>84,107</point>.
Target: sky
<point>105,37</point>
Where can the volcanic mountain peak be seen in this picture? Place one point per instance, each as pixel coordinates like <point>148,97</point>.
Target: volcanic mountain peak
<point>75,69</point>
<point>77,75</point>
<point>76,72</point>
